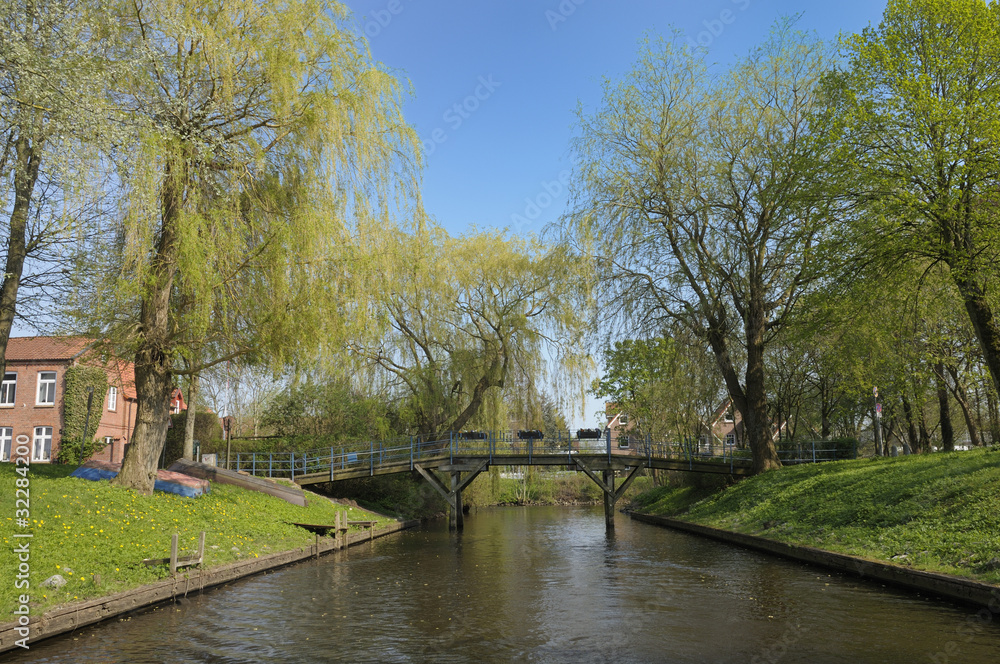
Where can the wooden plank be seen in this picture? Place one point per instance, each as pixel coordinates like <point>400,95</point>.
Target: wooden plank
<point>293,495</point>
<point>319,528</point>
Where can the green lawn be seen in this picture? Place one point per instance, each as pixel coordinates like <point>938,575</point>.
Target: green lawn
<point>82,528</point>
<point>938,512</point>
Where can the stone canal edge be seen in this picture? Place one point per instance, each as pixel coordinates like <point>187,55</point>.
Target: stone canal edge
<point>70,617</point>
<point>955,588</point>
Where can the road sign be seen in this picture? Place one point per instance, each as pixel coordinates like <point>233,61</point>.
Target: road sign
<point>878,409</point>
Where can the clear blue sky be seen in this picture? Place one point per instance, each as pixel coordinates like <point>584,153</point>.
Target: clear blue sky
<point>496,86</point>
<point>516,70</point>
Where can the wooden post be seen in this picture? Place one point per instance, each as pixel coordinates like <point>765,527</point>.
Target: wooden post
<point>609,499</point>
<point>201,547</point>
<point>173,555</point>
<point>455,520</point>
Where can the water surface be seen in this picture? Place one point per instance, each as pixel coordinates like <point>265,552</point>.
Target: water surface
<point>542,584</point>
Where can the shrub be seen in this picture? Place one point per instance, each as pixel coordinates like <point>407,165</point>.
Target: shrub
<point>75,451</point>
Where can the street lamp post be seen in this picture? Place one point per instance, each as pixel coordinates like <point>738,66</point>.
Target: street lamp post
<point>227,422</point>
<point>877,421</point>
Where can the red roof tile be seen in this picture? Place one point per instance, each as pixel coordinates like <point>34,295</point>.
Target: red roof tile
<point>56,349</point>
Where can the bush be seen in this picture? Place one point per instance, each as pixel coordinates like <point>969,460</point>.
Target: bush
<point>75,451</point>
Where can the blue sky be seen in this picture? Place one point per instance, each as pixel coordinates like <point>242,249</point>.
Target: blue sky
<point>496,86</point>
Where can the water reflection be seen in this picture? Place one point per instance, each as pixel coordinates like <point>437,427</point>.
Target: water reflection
<point>539,585</point>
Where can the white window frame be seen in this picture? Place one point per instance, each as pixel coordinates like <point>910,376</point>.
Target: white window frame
<point>45,383</point>
<point>112,398</point>
<point>8,389</point>
<point>38,452</point>
<point>6,442</point>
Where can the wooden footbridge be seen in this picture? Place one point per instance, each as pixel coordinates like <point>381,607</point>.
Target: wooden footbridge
<point>464,455</point>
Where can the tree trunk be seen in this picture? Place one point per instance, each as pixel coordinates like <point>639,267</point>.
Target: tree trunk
<point>994,415</point>
<point>986,327</point>
<point>911,429</point>
<point>27,162</point>
<point>189,419</point>
<point>947,432</point>
<point>925,436</point>
<point>758,423</point>
<point>958,390</point>
<point>153,360</point>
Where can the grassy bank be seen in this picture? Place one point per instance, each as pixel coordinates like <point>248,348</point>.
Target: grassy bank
<point>935,512</point>
<point>82,529</point>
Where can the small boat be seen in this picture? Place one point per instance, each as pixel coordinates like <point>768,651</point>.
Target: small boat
<point>166,480</point>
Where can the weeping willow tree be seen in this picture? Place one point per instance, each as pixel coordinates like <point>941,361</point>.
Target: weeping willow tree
<point>462,321</point>
<point>263,132</point>
<point>702,198</point>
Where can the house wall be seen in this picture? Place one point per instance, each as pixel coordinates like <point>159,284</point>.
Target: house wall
<point>26,414</point>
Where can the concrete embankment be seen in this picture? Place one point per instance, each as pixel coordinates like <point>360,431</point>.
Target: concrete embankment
<point>78,614</point>
<point>954,588</point>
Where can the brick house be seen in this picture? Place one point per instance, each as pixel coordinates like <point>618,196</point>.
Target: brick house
<point>31,398</point>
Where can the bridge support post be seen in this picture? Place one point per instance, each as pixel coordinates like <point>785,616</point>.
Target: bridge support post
<point>607,484</point>
<point>609,499</point>
<point>455,519</point>
<point>453,494</point>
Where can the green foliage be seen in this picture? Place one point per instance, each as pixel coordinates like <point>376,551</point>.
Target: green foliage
<point>938,512</point>
<point>206,429</point>
<point>668,386</point>
<point>98,528</point>
<point>75,451</point>
<point>918,108</point>
<point>264,137</point>
<point>464,321</point>
<point>81,381</point>
<point>703,199</point>
<point>333,411</point>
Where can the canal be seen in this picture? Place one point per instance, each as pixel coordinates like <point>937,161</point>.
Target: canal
<point>541,584</point>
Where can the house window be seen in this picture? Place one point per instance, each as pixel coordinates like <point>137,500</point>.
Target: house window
<point>8,389</point>
<point>623,419</point>
<point>46,388</point>
<point>6,438</point>
<point>43,444</point>
<point>112,398</point>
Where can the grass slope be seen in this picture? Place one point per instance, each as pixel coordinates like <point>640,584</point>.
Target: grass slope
<point>82,528</point>
<point>937,512</point>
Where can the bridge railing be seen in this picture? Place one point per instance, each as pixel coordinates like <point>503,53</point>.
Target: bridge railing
<point>415,449</point>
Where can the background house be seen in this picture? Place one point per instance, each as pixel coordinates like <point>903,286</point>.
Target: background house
<point>32,409</point>
<point>722,431</point>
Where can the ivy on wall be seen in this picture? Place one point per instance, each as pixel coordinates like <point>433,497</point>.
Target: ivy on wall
<point>78,379</point>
